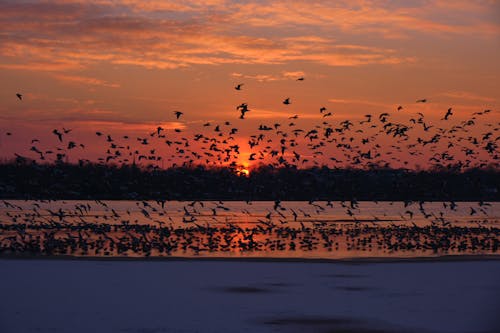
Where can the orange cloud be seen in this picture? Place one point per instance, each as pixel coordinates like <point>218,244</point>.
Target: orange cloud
<point>127,126</point>
<point>41,66</point>
<point>465,95</point>
<point>85,80</point>
<point>286,75</point>
<point>362,102</point>
<point>389,20</point>
<point>78,36</point>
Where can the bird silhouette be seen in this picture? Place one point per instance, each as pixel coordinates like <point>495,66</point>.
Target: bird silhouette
<point>447,115</point>
<point>58,134</point>
<point>243,107</point>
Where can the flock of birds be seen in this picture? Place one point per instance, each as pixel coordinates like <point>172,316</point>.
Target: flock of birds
<point>387,139</point>
<point>164,228</point>
<point>202,227</point>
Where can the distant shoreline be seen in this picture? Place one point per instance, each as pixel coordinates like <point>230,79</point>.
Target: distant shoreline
<point>237,200</point>
<point>107,182</point>
<point>350,260</point>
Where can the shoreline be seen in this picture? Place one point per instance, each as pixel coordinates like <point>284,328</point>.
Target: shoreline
<point>447,294</point>
<point>383,200</point>
<point>348,260</point>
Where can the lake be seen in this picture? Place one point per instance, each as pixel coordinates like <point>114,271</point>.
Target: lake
<point>261,229</point>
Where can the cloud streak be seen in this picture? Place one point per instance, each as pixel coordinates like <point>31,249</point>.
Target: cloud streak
<point>355,48</point>
<point>85,80</point>
<point>167,35</point>
<point>465,95</point>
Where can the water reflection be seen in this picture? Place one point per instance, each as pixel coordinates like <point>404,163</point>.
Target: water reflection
<point>255,229</point>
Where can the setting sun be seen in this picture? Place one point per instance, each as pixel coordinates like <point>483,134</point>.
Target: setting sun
<point>243,170</point>
<point>224,158</point>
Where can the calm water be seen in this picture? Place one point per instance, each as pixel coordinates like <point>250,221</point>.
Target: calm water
<point>254,229</point>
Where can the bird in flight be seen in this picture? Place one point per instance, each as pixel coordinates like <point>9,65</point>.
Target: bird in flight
<point>400,108</point>
<point>19,96</point>
<point>300,79</point>
<point>448,114</point>
<point>178,114</point>
<point>243,107</point>
<point>238,87</point>
<point>286,101</point>
<point>59,134</point>
<point>421,100</point>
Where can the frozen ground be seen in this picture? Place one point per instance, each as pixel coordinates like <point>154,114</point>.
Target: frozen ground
<point>236,296</point>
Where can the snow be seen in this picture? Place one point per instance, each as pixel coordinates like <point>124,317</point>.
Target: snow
<point>53,295</point>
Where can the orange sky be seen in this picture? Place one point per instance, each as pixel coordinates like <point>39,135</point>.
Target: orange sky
<point>123,67</point>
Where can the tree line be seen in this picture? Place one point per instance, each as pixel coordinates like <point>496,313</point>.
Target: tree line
<point>30,180</point>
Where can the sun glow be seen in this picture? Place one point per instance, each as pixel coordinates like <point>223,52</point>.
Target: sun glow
<point>243,170</point>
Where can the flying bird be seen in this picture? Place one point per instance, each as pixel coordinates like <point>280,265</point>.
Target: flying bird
<point>448,114</point>
<point>243,107</point>
<point>178,114</point>
<point>19,96</point>
<point>238,87</point>
<point>59,134</point>
<point>286,101</point>
<point>421,100</point>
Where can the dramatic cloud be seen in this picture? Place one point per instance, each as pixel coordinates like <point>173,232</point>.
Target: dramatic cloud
<point>127,64</point>
<point>465,95</point>
<point>85,80</point>
<point>163,34</point>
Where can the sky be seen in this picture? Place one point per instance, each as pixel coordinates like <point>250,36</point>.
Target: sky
<point>123,67</point>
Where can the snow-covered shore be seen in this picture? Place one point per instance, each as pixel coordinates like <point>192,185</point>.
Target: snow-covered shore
<point>43,295</point>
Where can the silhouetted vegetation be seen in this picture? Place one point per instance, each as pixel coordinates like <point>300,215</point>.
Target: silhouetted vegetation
<point>29,180</point>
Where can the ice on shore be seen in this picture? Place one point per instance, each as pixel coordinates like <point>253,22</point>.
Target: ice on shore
<point>235,296</point>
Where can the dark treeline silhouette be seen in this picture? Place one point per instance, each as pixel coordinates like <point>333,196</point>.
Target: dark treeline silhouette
<point>30,180</point>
